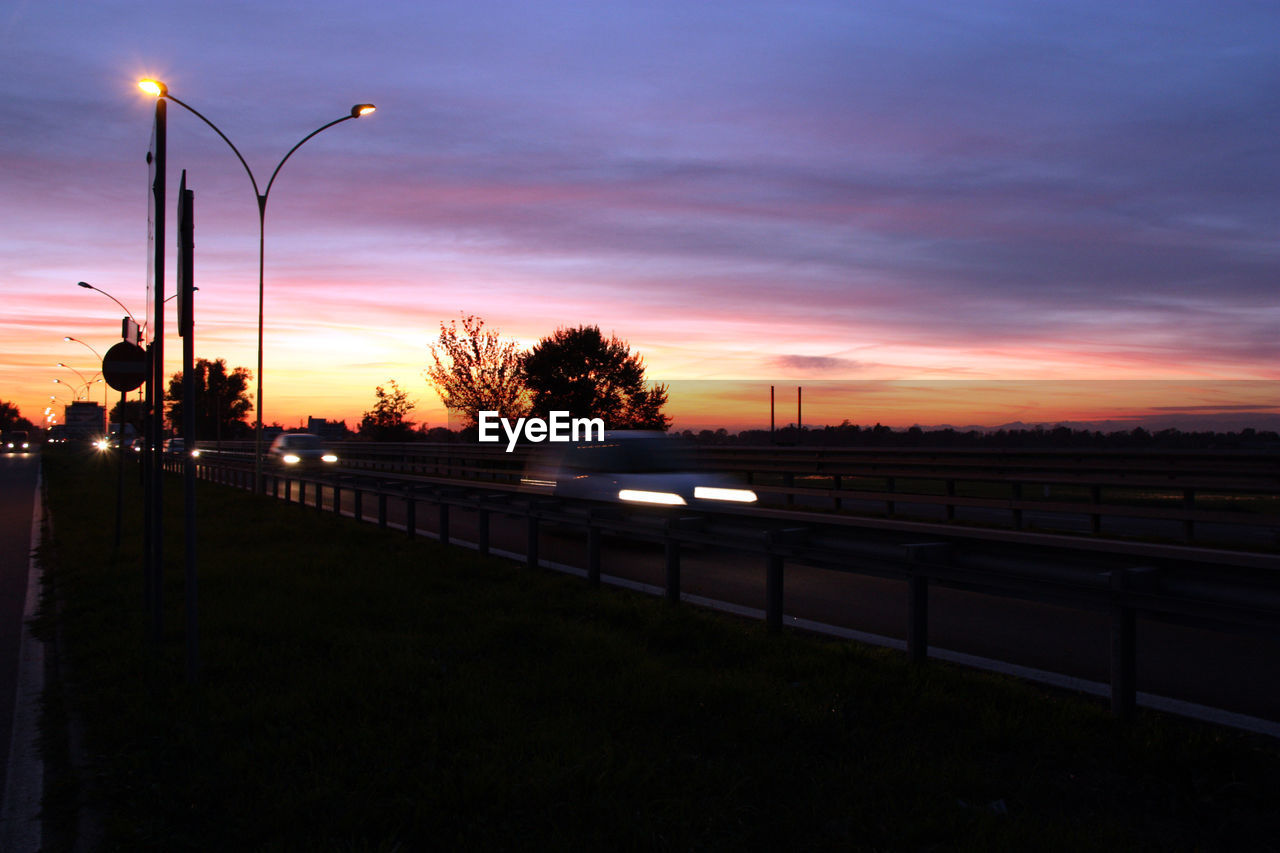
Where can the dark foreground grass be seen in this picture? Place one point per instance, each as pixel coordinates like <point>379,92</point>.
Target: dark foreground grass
<point>364,692</point>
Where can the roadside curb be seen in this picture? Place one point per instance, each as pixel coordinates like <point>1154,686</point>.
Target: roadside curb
<point>20,823</point>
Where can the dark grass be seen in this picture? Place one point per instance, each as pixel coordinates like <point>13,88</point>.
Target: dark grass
<point>364,692</point>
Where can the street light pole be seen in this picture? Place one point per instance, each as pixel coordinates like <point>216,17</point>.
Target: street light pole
<point>159,90</point>
<point>99,357</point>
<point>84,381</point>
<point>139,327</point>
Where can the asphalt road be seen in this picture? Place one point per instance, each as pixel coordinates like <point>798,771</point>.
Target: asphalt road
<point>17,500</point>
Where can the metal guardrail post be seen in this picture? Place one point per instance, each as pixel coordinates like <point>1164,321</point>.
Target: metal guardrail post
<point>319,496</point>
<point>357,497</point>
<point>837,502</point>
<point>382,507</point>
<point>531,547</point>
<point>773,592</point>
<point>1124,687</point>
<point>918,595</point>
<point>1124,640</point>
<point>288,489</point>
<point>774,572</point>
<point>337,497</point>
<point>410,512</point>
<point>671,554</point>
<point>1017,510</point>
<point>444,520</point>
<point>482,531</point>
<point>594,537</point>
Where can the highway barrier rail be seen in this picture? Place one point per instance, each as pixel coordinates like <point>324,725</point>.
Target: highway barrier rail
<point>1218,497</point>
<point>1221,590</point>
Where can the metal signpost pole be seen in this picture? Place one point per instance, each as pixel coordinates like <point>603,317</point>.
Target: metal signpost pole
<point>186,316</point>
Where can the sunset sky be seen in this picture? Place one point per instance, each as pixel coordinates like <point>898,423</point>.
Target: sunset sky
<point>794,192</point>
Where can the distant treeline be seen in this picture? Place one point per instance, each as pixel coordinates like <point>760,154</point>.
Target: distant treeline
<point>853,435</point>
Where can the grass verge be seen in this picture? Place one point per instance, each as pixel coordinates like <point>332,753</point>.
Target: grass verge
<point>361,691</point>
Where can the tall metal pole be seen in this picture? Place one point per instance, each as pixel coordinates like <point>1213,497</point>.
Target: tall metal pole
<point>120,451</point>
<point>186,328</point>
<point>156,545</point>
<point>258,486</point>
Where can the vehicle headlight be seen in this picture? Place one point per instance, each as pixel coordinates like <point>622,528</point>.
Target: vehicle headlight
<point>645,497</point>
<point>195,452</point>
<point>291,459</point>
<point>329,457</point>
<point>101,444</point>
<point>712,493</point>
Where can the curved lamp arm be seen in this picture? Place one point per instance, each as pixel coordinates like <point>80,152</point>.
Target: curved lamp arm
<point>89,286</point>
<point>323,127</point>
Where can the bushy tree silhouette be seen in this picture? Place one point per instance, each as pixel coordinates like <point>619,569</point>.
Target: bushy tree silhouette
<point>474,370</point>
<point>388,420</point>
<point>11,417</point>
<point>222,400</point>
<point>582,372</point>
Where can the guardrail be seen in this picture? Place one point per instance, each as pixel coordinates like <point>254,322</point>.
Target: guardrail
<point>1179,492</point>
<point>1202,594</point>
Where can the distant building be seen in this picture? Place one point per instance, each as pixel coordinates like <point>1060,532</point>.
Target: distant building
<point>330,430</point>
<point>84,420</point>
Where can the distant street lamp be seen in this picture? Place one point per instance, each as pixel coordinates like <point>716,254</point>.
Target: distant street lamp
<point>83,381</point>
<point>89,286</point>
<point>75,395</point>
<point>83,344</point>
<point>159,90</point>
<point>99,357</point>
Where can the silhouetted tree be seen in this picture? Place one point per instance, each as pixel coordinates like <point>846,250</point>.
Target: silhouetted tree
<point>474,370</point>
<point>130,412</point>
<point>222,400</point>
<point>11,417</point>
<point>580,371</point>
<point>388,420</point>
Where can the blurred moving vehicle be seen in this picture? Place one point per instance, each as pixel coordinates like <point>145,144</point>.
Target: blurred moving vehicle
<point>300,449</point>
<point>640,467</point>
<point>178,446</point>
<point>16,441</point>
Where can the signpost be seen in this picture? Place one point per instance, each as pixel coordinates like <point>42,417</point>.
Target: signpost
<point>125,369</point>
<point>125,366</point>
<point>186,329</point>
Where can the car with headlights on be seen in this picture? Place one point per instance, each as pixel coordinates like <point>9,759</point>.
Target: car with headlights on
<point>177,447</point>
<point>16,441</point>
<point>301,450</point>
<point>633,467</point>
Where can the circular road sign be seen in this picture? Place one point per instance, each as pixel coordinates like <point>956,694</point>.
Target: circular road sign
<point>125,366</point>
